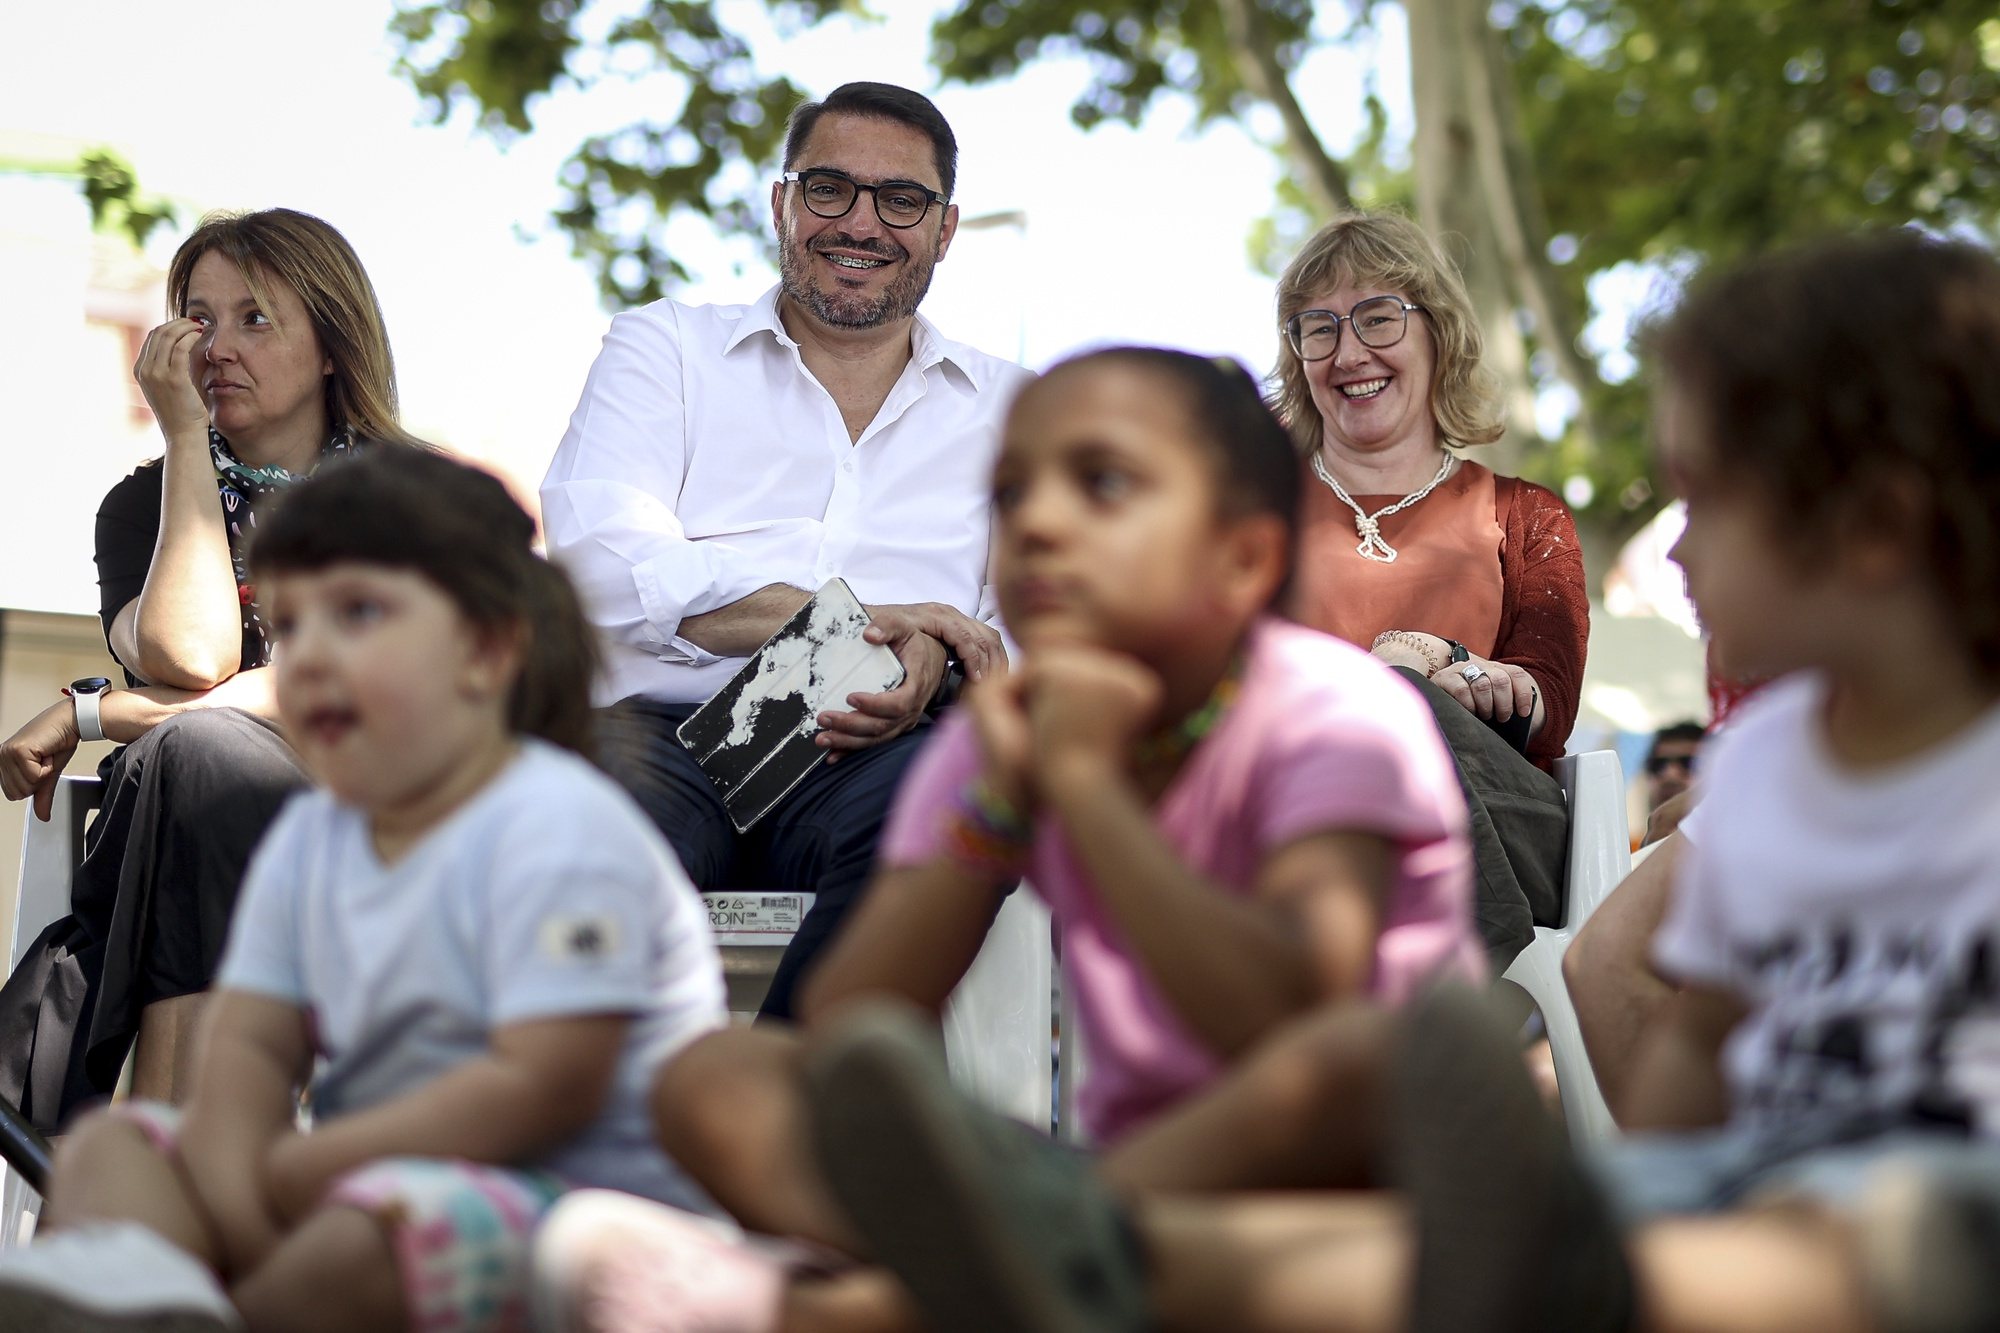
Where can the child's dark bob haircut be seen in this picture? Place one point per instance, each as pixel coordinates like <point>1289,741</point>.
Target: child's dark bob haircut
<point>416,510</point>
<point>1856,384</point>
<point>1255,467</point>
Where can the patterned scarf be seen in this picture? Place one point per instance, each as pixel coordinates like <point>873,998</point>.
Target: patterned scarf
<point>243,488</point>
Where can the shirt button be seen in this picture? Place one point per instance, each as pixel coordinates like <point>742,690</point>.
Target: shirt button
<point>848,466</point>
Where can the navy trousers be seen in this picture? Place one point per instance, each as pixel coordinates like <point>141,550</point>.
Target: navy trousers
<point>820,839</point>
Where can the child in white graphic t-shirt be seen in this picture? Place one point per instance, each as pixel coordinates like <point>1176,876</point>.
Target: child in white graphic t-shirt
<point>474,944</point>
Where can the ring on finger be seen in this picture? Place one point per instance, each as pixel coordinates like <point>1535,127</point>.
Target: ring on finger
<point>1473,671</point>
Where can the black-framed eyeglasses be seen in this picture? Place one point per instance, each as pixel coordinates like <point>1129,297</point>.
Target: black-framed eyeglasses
<point>1379,321</point>
<point>1657,764</point>
<point>831,194</point>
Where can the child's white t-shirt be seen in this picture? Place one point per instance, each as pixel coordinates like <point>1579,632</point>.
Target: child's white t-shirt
<point>1857,914</point>
<point>548,894</point>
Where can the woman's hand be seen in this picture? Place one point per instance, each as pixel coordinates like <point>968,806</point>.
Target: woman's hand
<point>166,374</point>
<point>34,757</point>
<point>1491,691</point>
<point>1420,652</point>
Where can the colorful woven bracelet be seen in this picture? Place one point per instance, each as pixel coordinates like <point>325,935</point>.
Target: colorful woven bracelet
<point>987,833</point>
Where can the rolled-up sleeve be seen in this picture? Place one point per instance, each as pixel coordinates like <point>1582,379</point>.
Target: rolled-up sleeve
<point>608,502</point>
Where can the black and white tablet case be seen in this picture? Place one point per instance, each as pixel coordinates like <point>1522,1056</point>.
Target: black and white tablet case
<point>754,738</point>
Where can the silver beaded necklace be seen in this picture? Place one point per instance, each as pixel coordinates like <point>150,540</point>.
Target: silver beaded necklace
<point>1372,546</point>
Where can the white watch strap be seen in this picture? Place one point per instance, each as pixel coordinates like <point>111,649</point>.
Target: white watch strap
<point>89,726</point>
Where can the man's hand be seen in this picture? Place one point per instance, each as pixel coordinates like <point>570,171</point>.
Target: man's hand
<point>34,757</point>
<point>919,634</point>
<point>976,645</point>
<point>1491,691</point>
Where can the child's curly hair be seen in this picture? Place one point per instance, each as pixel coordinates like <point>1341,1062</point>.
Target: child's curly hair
<point>1857,383</point>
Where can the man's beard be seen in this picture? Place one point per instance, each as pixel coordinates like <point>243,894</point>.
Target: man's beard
<point>851,309</point>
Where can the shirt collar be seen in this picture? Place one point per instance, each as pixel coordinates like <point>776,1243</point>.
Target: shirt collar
<point>927,346</point>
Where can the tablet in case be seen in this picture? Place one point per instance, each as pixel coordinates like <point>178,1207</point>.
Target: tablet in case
<point>754,738</point>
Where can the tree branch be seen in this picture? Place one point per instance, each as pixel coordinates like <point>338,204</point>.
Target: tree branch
<point>1322,178</point>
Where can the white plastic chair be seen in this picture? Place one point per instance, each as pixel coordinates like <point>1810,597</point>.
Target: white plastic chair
<point>50,853</point>
<point>996,1025</point>
<point>1072,1064</point>
<point>999,1024</point>
<point>1600,856</point>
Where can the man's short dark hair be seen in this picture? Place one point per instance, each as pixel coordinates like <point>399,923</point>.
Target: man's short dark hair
<point>1677,731</point>
<point>883,101</point>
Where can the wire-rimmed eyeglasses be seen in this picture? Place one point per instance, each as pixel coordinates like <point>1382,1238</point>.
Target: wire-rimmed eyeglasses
<point>831,194</point>
<point>1379,321</point>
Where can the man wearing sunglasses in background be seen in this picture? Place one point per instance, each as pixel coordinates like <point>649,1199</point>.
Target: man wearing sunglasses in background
<point>726,461</point>
<point>1669,776</point>
<point>1670,762</point>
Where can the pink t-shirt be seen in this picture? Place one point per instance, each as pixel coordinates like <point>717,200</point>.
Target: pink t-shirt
<point>1322,737</point>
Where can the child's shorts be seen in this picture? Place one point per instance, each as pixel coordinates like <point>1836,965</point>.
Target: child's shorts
<point>460,1231</point>
<point>1706,1171</point>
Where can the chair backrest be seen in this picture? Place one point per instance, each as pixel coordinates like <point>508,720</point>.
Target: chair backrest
<point>1600,846</point>
<point>50,853</point>
<point>997,1025</point>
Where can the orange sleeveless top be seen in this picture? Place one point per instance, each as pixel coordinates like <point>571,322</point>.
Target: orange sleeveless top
<point>1446,577</point>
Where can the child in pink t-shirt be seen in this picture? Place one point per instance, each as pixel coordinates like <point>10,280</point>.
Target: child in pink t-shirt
<point>1318,737</point>
<point>1233,819</point>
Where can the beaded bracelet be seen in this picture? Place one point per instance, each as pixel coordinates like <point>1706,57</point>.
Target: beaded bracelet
<point>987,833</point>
<point>1415,643</point>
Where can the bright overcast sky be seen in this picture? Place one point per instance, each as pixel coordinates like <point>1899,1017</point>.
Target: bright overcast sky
<point>249,103</point>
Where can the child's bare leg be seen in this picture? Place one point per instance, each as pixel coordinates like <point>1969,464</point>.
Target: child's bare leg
<point>1322,1263</point>
<point>1304,1111</point>
<point>867,1300</point>
<point>729,1109</point>
<point>333,1274</point>
<point>1780,1269</point>
<point>106,1170</point>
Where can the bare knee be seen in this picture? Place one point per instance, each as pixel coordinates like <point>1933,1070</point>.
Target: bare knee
<point>718,1104</point>
<point>1332,1059</point>
<point>93,1163</point>
<point>336,1272</point>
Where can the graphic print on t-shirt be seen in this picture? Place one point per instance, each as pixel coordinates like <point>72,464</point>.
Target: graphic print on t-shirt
<point>1899,1024</point>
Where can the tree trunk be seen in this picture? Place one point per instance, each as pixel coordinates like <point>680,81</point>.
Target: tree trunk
<point>1520,224</point>
<point>1453,202</point>
<point>1322,178</point>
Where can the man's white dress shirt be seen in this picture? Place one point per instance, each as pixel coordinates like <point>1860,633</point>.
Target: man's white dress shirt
<point>705,462</point>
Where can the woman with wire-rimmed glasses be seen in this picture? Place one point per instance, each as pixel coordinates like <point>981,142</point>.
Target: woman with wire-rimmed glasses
<point>1471,582</point>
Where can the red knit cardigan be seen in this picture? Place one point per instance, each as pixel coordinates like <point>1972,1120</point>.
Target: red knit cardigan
<point>1544,606</point>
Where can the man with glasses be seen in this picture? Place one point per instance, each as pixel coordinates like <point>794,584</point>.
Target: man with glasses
<point>727,461</point>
